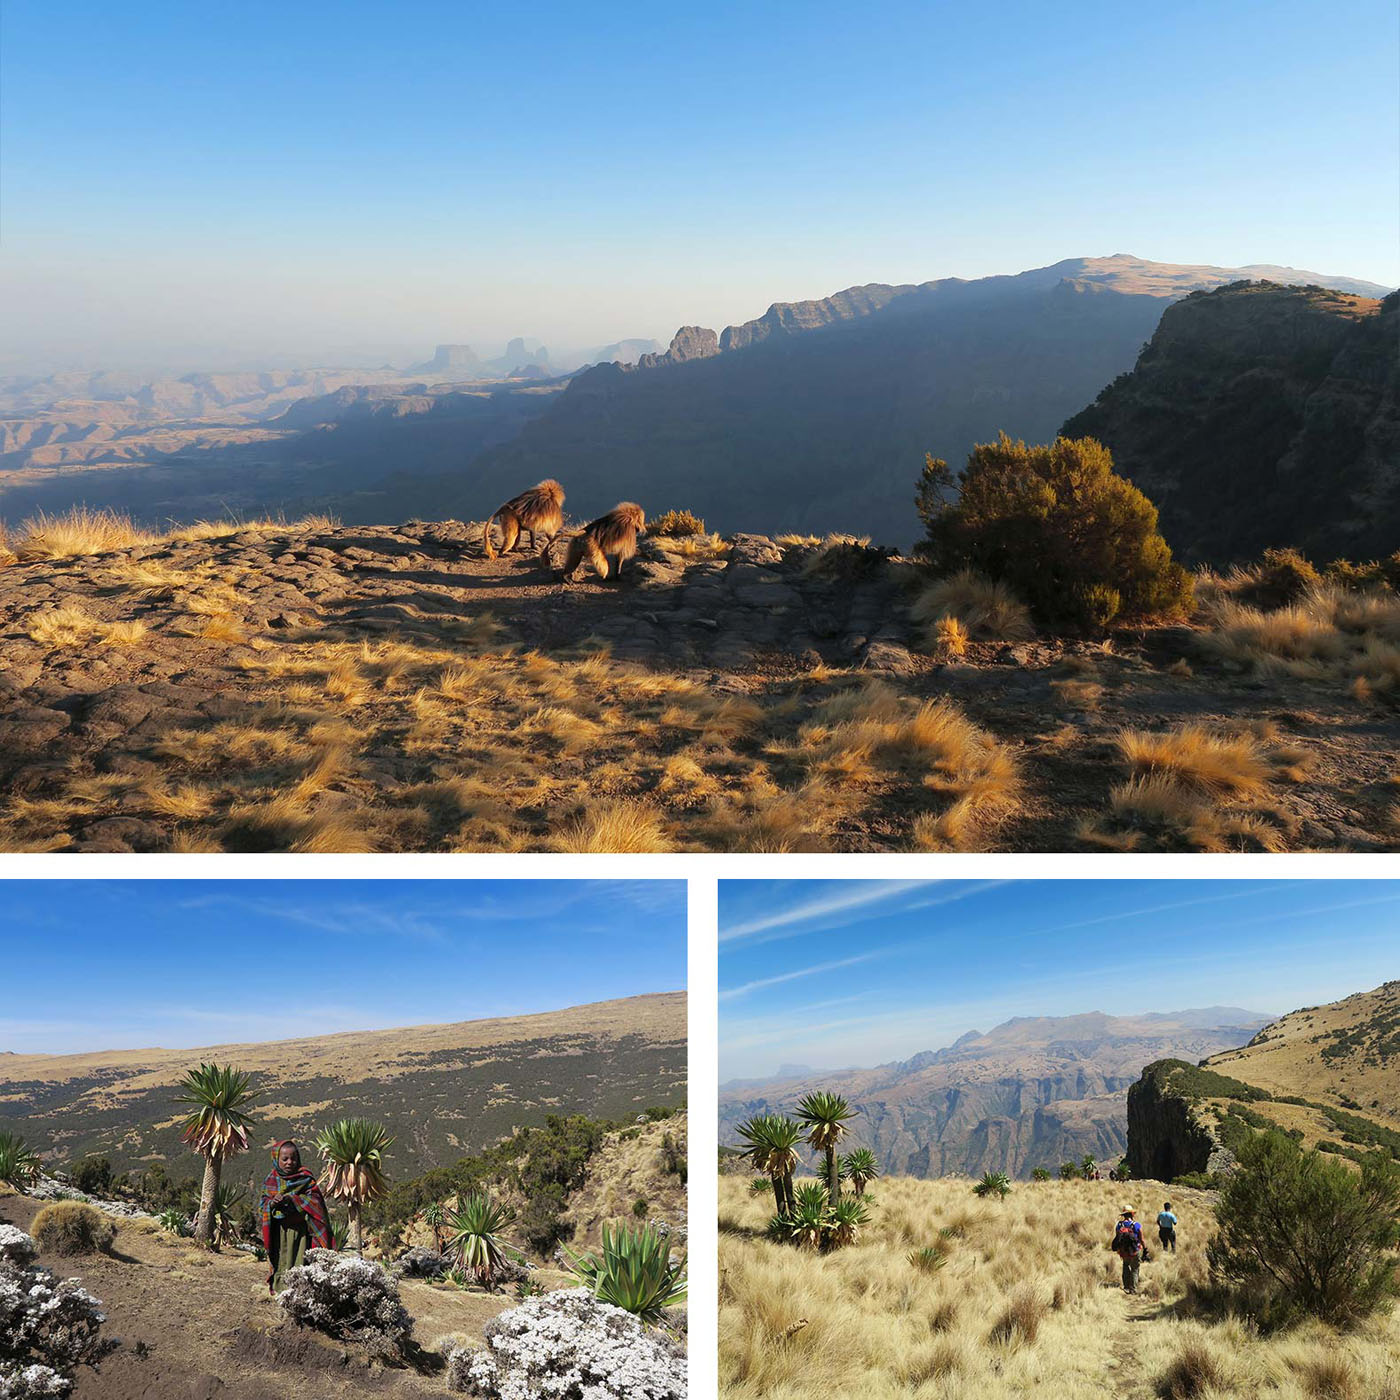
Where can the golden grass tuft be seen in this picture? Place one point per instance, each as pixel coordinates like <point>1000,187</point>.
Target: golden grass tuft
<point>71,626</point>
<point>618,827</point>
<point>986,609</point>
<point>1197,757</point>
<point>1195,1371</point>
<point>1019,1323</point>
<point>75,533</point>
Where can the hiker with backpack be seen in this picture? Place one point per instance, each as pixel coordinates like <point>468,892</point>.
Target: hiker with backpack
<point>1128,1245</point>
<point>1166,1227</point>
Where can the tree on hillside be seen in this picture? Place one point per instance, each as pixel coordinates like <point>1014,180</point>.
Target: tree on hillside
<point>1074,540</point>
<point>772,1147</point>
<point>353,1153</point>
<point>1300,1232</point>
<point>217,1129</point>
<point>825,1116</point>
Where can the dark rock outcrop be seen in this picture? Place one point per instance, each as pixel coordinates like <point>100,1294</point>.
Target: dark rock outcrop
<point>1167,1137</point>
<point>1261,415</point>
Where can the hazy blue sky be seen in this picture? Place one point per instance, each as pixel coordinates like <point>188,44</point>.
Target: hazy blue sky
<point>859,972</point>
<point>103,964</point>
<point>217,183</point>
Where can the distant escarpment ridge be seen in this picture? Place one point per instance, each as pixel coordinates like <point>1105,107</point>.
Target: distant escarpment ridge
<point>443,1090</point>
<point>1035,1091</point>
<point>1262,415</point>
<point>816,416</point>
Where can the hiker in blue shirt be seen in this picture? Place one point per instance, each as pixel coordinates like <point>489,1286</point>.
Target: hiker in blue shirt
<point>1128,1246</point>
<point>1166,1227</point>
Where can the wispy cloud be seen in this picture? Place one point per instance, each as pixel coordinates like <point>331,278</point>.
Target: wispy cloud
<point>1119,915</point>
<point>745,988</point>
<point>843,905</point>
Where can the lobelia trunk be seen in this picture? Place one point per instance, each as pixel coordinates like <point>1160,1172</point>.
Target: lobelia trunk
<point>352,1233</point>
<point>204,1223</point>
<point>833,1175</point>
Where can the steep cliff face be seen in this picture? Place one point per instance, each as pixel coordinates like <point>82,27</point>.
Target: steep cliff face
<point>1167,1134</point>
<point>1263,415</point>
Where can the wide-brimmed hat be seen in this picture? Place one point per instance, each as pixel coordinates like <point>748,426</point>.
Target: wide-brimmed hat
<point>1129,1210</point>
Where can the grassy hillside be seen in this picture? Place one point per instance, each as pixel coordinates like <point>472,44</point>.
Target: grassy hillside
<point>1327,1072</point>
<point>442,1090</point>
<point>866,1322</point>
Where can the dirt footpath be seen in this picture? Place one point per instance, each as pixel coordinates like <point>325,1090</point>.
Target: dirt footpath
<point>200,1326</point>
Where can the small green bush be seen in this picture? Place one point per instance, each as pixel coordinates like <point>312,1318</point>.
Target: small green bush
<point>675,524</point>
<point>1059,526</point>
<point>73,1227</point>
<point>640,1207</point>
<point>1040,1174</point>
<point>92,1176</point>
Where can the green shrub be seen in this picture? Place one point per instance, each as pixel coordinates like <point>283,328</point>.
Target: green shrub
<point>1040,1174</point>
<point>930,1258</point>
<point>92,1176</point>
<point>1301,1234</point>
<point>1069,1171</point>
<point>1202,1181</point>
<point>73,1227</point>
<point>1281,577</point>
<point>640,1207</point>
<point>635,1271</point>
<point>19,1164</point>
<point>676,523</point>
<point>996,1184</point>
<point>1059,526</point>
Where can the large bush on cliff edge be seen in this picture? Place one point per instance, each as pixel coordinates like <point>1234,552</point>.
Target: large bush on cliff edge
<point>1077,542</point>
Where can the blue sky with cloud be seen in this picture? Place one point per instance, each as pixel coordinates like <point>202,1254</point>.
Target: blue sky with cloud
<point>105,964</point>
<point>832,973</point>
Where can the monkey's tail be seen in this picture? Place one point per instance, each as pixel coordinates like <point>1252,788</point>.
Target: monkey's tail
<point>487,548</point>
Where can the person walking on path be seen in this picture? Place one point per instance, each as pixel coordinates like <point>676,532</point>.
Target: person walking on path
<point>1166,1227</point>
<point>1128,1246</point>
<point>292,1214</point>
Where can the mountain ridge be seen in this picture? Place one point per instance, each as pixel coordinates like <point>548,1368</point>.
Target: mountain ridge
<point>1000,1103</point>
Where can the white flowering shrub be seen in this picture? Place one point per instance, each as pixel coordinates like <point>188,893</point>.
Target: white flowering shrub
<point>32,1383</point>
<point>567,1345</point>
<point>47,1326</point>
<point>16,1248</point>
<point>350,1298</point>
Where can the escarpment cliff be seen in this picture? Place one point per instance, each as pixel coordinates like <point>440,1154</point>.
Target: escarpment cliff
<point>1168,1135</point>
<point>1261,415</point>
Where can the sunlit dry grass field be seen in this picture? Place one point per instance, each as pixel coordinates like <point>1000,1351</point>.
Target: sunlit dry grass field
<point>1026,1302</point>
<point>268,686</point>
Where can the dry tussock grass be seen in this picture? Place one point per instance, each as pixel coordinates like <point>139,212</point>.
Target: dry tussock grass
<point>71,626</point>
<point>448,740</point>
<point>1330,634</point>
<point>1027,1304</point>
<point>79,531</point>
<point>1207,789</point>
<point>986,610</point>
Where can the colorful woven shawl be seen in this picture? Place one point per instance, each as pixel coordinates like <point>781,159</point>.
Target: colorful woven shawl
<point>302,1187</point>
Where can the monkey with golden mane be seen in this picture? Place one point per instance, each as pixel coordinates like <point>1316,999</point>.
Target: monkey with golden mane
<point>612,534</point>
<point>541,509</point>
